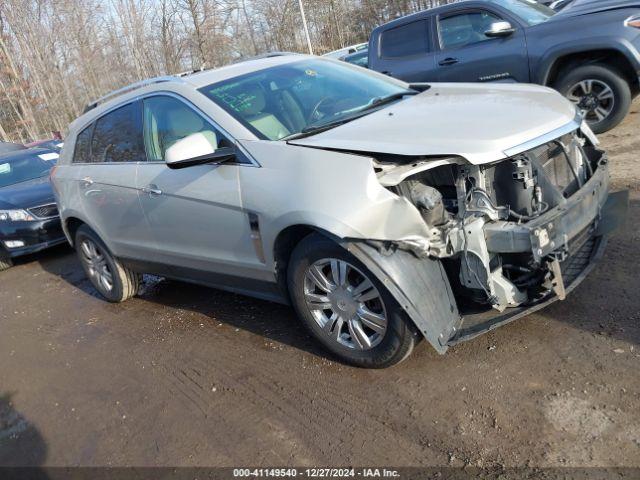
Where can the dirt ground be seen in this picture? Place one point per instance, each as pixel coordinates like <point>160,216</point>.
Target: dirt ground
<point>191,376</point>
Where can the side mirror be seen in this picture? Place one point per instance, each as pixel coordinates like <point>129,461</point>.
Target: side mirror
<point>196,149</point>
<point>500,29</point>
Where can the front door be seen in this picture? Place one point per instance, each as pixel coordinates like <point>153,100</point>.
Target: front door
<point>195,214</point>
<point>468,55</point>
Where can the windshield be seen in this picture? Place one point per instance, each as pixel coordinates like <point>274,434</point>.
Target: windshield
<point>529,11</point>
<point>16,169</point>
<point>285,100</point>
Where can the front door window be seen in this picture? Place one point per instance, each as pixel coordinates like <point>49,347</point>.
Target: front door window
<point>465,28</point>
<point>167,120</point>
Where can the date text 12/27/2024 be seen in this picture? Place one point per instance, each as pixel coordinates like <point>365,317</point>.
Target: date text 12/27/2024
<point>316,472</point>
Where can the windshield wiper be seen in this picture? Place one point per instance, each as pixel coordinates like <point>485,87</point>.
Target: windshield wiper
<point>312,130</point>
<point>375,103</point>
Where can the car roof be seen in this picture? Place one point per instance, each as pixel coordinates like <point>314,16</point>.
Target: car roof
<point>195,80</point>
<point>431,11</point>
<point>8,147</point>
<point>207,77</point>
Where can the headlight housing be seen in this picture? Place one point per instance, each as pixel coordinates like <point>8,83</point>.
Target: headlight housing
<point>633,21</point>
<point>15,216</point>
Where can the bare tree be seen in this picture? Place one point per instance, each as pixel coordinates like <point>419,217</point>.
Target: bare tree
<point>57,55</point>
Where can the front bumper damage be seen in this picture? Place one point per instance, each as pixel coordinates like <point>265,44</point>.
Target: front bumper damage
<point>553,232</point>
<point>568,240</point>
<point>565,243</point>
<point>580,250</point>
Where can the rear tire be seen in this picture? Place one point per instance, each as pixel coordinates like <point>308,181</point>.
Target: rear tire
<point>598,90</point>
<point>359,322</point>
<point>5,263</point>
<point>115,282</point>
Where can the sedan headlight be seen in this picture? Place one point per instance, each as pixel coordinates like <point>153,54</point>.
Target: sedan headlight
<point>633,21</point>
<point>15,216</point>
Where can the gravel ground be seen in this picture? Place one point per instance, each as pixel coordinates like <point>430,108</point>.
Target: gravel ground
<point>183,375</point>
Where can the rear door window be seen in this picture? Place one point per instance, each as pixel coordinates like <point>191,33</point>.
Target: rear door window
<point>82,152</point>
<point>117,136</point>
<point>405,41</point>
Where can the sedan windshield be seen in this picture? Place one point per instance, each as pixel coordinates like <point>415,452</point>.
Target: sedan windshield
<point>23,167</point>
<point>301,97</point>
<point>529,11</point>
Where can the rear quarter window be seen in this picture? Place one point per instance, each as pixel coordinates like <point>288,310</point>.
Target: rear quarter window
<point>405,41</point>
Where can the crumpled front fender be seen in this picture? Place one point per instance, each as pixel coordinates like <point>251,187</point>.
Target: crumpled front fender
<point>419,285</point>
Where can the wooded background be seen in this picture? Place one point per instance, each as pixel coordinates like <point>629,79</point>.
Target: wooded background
<point>58,55</point>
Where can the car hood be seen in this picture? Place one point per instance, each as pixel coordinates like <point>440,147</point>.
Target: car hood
<point>583,7</point>
<point>27,194</point>
<point>479,122</point>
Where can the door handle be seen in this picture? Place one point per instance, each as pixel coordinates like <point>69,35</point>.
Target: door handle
<point>388,73</point>
<point>86,182</point>
<point>448,61</point>
<point>152,190</point>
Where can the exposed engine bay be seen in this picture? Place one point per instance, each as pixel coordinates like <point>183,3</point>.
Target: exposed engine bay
<point>506,231</point>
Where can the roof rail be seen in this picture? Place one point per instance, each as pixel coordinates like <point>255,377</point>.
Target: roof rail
<point>128,88</point>
<point>266,55</point>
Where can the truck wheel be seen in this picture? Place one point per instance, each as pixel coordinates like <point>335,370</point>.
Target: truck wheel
<point>115,282</point>
<point>601,93</point>
<point>5,263</point>
<point>346,308</point>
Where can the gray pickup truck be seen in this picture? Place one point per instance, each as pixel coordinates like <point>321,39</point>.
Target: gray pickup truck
<point>589,51</point>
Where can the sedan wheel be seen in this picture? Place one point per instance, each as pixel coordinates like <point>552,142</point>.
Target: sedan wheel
<point>345,304</point>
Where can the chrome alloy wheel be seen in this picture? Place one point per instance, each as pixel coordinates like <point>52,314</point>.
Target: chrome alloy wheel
<point>345,304</point>
<point>594,98</point>
<point>97,265</point>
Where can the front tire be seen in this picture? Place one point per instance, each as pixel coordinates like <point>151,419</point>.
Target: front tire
<point>110,278</point>
<point>346,308</point>
<point>5,264</point>
<point>601,93</point>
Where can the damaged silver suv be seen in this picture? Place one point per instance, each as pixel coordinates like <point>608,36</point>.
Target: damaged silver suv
<point>384,212</point>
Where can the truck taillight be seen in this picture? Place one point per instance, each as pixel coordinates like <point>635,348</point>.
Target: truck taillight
<point>633,21</point>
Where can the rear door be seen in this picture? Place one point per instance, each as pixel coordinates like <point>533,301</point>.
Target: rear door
<point>107,180</point>
<point>406,52</point>
<point>466,54</point>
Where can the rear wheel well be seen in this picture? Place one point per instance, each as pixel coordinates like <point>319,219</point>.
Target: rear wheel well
<point>73,224</point>
<point>283,247</point>
<point>612,58</point>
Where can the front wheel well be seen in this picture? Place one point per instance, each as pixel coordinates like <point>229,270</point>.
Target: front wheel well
<point>609,57</point>
<point>283,247</point>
